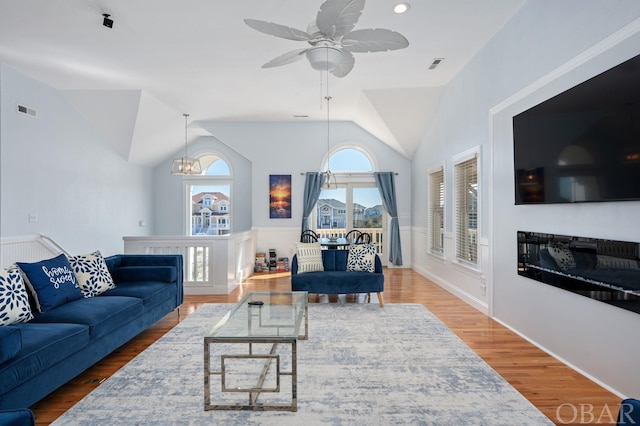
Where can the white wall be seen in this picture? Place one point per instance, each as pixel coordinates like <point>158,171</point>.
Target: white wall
<point>476,110</point>
<point>57,167</point>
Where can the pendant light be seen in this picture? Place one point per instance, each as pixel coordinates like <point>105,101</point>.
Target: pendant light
<point>328,175</point>
<point>185,166</point>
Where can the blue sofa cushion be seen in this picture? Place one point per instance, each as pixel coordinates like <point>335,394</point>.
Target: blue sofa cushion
<point>338,282</point>
<point>10,342</point>
<point>43,346</point>
<point>101,314</point>
<point>335,260</point>
<point>167,274</point>
<point>151,293</point>
<point>17,417</point>
<point>52,282</point>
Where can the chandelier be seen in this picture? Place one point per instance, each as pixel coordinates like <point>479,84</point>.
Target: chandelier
<point>186,166</point>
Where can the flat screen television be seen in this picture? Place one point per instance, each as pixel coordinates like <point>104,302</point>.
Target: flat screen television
<point>582,145</point>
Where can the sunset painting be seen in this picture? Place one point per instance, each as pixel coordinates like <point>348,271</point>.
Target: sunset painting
<point>280,196</point>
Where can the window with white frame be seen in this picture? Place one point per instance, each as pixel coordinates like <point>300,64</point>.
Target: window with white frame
<point>436,212</point>
<point>466,208</point>
<point>209,198</point>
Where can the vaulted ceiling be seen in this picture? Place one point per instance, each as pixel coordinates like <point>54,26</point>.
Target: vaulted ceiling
<point>163,58</point>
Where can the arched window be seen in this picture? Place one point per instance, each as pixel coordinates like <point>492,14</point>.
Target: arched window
<point>353,200</point>
<point>349,160</point>
<point>209,198</point>
<point>213,165</point>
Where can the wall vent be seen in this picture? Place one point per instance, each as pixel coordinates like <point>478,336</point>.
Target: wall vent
<point>435,63</point>
<point>23,109</point>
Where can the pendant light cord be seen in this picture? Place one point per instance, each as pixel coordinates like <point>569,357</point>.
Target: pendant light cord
<point>186,116</point>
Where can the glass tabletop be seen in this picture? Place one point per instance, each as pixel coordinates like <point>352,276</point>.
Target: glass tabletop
<point>280,315</point>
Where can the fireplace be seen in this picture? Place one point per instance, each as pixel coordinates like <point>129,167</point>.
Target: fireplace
<point>604,270</point>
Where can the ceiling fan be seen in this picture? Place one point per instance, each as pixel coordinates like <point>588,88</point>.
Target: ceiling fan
<point>331,38</point>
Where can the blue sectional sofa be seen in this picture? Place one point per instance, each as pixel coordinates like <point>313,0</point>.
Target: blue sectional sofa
<point>336,279</point>
<point>38,356</point>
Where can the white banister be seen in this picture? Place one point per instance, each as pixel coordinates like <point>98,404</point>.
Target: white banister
<point>212,264</point>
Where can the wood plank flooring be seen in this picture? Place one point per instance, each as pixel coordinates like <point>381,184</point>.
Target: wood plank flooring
<point>562,394</point>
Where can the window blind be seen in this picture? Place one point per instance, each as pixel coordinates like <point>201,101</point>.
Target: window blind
<point>467,211</point>
<point>436,209</point>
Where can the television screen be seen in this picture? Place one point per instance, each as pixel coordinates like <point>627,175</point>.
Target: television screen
<point>584,144</point>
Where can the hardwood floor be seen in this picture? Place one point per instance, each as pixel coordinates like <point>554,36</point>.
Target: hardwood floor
<point>562,394</point>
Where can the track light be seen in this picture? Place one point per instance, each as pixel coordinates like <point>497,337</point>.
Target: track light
<point>107,22</point>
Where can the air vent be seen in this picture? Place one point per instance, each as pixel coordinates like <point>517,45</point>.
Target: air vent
<point>26,110</point>
<point>435,63</point>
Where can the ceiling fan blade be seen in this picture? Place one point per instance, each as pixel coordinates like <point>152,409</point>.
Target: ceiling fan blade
<point>345,66</point>
<point>374,40</point>
<point>337,17</point>
<point>278,30</point>
<point>287,58</point>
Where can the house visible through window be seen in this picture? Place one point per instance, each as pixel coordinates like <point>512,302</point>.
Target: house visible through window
<point>210,198</point>
<point>466,204</point>
<point>436,212</point>
<point>355,203</point>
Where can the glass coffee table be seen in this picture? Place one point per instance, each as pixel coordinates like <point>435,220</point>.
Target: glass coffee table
<point>260,322</point>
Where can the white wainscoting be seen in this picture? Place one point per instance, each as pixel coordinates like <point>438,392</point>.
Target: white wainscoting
<point>212,264</point>
<point>468,284</point>
<point>29,248</point>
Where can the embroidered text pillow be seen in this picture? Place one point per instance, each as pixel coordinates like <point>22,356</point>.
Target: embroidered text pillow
<point>51,282</point>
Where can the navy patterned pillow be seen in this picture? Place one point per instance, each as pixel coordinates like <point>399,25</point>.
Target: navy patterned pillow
<point>362,257</point>
<point>51,282</point>
<point>14,302</point>
<point>92,273</point>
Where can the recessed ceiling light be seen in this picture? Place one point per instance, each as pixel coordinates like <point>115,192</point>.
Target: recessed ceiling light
<point>401,8</point>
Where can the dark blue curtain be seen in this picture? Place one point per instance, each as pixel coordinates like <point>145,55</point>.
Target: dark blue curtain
<point>312,188</point>
<point>387,187</point>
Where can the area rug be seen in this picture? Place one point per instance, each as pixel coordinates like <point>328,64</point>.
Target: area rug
<point>362,365</point>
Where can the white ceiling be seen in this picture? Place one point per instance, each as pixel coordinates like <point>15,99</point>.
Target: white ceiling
<point>163,58</point>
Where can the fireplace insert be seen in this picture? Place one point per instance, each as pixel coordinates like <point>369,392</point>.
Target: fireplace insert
<point>604,270</point>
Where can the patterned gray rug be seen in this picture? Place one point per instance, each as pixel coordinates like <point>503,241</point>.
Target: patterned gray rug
<point>362,365</point>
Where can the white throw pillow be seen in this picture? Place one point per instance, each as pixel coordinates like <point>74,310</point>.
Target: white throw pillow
<point>362,257</point>
<point>309,257</point>
<point>91,273</point>
<point>14,302</point>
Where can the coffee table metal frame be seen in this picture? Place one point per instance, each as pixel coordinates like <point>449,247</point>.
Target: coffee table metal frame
<point>229,330</point>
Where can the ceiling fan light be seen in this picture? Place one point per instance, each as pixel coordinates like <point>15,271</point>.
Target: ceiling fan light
<point>401,8</point>
<point>324,58</point>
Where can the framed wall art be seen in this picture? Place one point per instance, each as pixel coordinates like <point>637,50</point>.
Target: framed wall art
<point>280,196</point>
